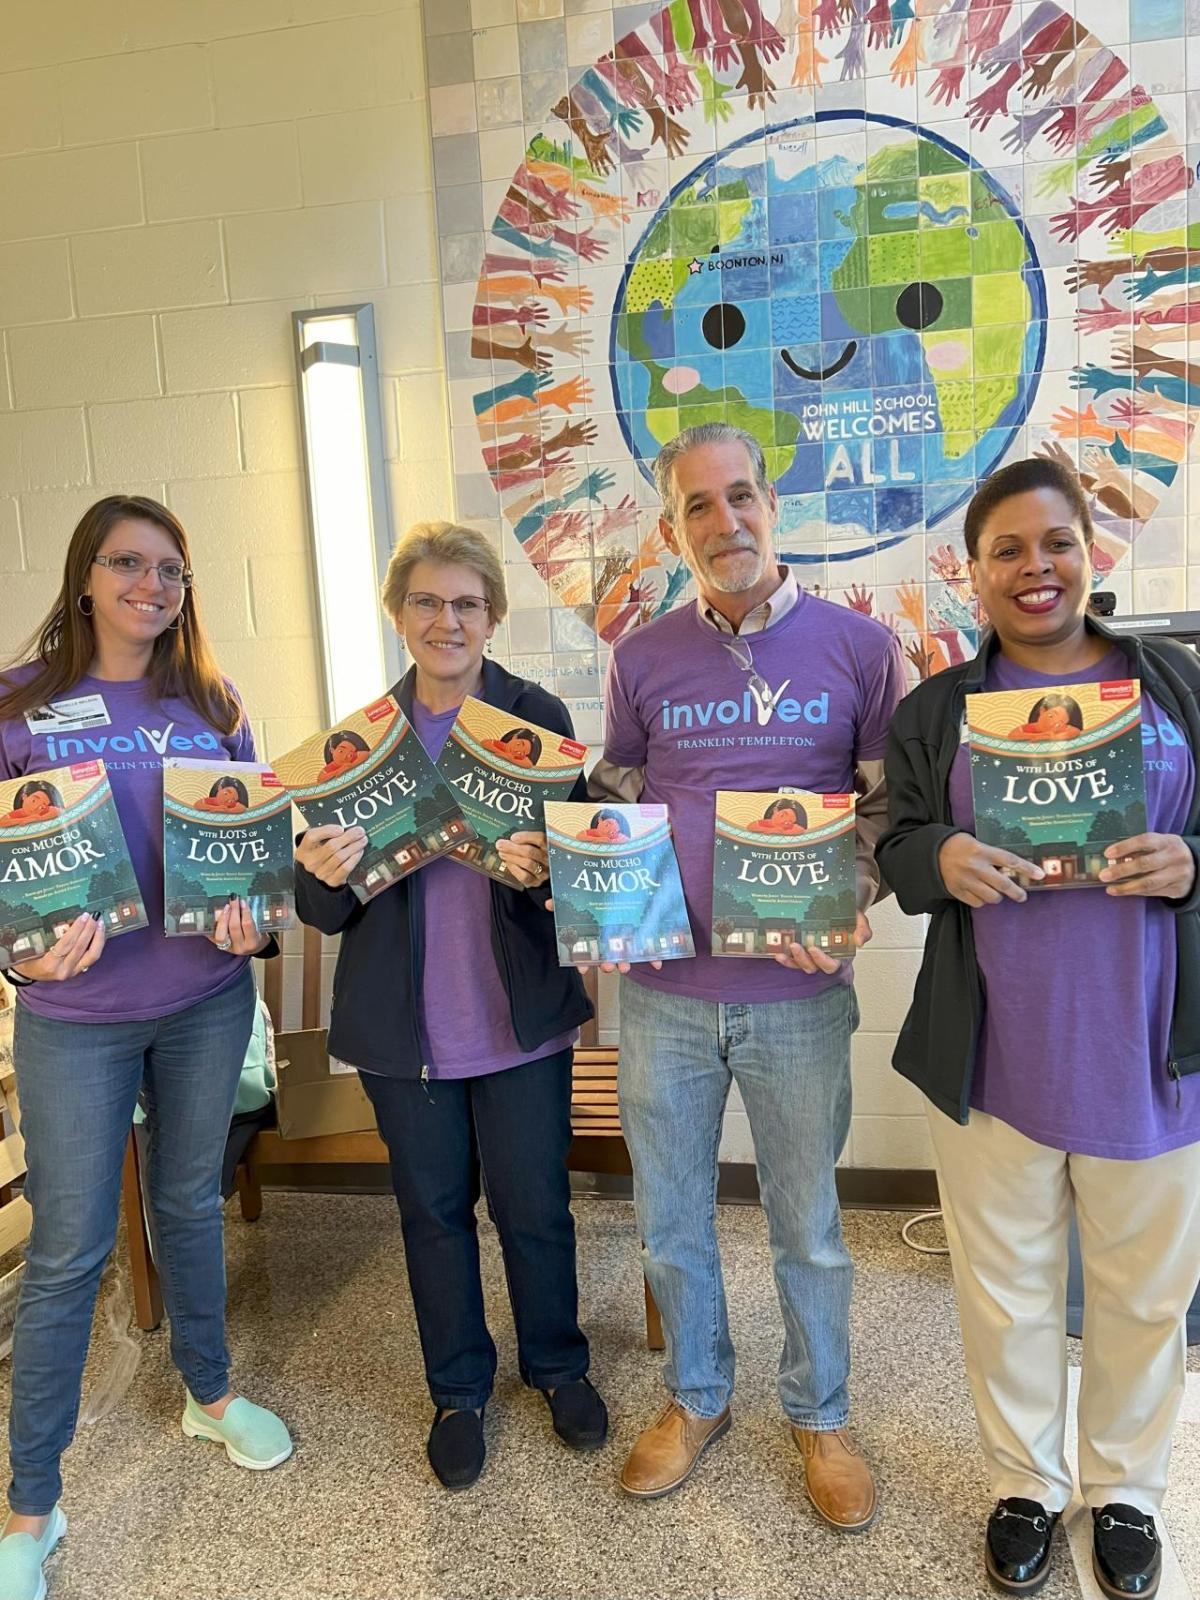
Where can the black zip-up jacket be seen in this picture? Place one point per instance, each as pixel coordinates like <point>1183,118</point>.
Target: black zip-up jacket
<point>374,1021</point>
<point>936,1046</point>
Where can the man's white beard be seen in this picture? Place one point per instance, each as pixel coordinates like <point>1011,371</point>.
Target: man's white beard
<point>737,585</point>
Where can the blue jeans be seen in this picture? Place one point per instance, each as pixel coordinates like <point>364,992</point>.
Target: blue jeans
<point>78,1085</point>
<point>512,1129</point>
<point>791,1062</point>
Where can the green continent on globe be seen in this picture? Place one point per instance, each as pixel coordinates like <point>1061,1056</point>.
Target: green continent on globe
<point>923,217</point>
<point>698,221</point>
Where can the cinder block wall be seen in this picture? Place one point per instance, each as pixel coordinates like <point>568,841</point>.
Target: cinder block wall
<point>176,177</point>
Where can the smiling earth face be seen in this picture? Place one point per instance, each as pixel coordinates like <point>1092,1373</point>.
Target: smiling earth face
<point>859,297</point>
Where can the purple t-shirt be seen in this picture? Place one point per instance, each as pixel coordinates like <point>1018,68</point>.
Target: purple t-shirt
<point>678,704</point>
<point>465,1018</point>
<point>142,974</point>
<point>1080,984</point>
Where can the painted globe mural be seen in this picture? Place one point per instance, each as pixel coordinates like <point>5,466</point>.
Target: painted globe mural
<point>899,244</point>
<point>875,325</point>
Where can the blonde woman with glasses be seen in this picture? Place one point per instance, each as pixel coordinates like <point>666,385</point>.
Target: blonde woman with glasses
<point>450,1002</point>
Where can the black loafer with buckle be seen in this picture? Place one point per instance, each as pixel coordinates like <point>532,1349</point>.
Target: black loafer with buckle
<point>1126,1552</point>
<point>1020,1534</point>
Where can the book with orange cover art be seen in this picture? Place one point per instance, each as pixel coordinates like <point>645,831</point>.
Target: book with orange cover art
<point>371,771</point>
<point>1057,775</point>
<point>62,852</point>
<point>783,873</point>
<point>617,891</point>
<point>503,772</point>
<point>227,834</point>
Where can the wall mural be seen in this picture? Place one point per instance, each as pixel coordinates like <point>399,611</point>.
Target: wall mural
<point>900,241</point>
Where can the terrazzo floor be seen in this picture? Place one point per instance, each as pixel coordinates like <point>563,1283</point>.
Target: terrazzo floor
<point>321,1329</point>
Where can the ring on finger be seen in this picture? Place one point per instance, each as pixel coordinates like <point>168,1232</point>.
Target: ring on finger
<point>224,944</point>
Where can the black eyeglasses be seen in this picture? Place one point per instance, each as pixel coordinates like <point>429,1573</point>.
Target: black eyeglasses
<point>173,574</point>
<point>467,607</point>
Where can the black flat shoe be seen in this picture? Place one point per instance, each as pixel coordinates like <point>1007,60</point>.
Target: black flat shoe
<point>1126,1553</point>
<point>580,1416</point>
<point>1020,1534</point>
<point>456,1449</point>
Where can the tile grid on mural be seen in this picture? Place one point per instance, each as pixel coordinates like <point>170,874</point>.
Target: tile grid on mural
<point>900,241</point>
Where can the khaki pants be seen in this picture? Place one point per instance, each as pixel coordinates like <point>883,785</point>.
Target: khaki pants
<point>1007,1204</point>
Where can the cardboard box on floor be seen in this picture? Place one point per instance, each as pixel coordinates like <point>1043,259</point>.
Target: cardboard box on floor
<point>312,1100</point>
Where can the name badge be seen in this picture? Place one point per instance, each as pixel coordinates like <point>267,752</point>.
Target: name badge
<point>69,716</point>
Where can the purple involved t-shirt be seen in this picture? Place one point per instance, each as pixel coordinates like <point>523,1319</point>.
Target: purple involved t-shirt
<point>466,1022</point>
<point>142,974</point>
<point>678,704</point>
<point>1080,984</point>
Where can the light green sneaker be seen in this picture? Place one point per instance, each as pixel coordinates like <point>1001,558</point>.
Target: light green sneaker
<point>21,1558</point>
<point>253,1437</point>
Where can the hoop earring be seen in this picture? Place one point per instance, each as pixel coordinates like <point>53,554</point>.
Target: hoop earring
<point>87,610</point>
<point>174,627</point>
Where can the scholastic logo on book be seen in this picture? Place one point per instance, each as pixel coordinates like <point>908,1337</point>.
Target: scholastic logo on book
<point>378,710</point>
<point>84,770</point>
<point>1121,690</point>
<point>270,781</point>
<point>836,802</point>
<point>569,747</point>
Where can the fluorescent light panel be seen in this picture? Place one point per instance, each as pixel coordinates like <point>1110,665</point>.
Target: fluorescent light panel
<point>347,498</point>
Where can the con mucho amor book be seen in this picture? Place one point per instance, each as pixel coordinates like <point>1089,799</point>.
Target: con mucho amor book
<point>371,772</point>
<point>1057,775</point>
<point>227,834</point>
<point>62,852</point>
<point>783,873</point>
<point>503,772</point>
<point>615,880</point>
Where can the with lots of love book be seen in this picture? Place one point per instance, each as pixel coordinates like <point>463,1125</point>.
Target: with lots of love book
<point>783,873</point>
<point>371,771</point>
<point>227,835</point>
<point>1057,775</point>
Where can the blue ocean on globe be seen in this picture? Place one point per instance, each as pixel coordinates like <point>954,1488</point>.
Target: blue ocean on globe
<point>860,296</point>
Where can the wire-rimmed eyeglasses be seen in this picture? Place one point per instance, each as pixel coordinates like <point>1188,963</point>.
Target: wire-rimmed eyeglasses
<point>172,574</point>
<point>466,607</point>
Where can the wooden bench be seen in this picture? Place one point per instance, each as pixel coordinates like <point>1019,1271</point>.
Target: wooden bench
<point>597,1146</point>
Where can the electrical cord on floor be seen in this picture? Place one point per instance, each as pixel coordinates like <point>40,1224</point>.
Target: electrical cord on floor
<point>923,1249</point>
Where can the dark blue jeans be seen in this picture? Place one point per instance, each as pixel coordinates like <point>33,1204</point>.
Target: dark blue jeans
<point>79,1083</point>
<point>512,1129</point>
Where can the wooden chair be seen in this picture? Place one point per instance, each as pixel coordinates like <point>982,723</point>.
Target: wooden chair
<point>597,1146</point>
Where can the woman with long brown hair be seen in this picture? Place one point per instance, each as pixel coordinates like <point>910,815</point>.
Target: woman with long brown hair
<point>121,670</point>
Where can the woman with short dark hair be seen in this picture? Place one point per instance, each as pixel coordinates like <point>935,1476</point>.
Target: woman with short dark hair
<point>1056,1037</point>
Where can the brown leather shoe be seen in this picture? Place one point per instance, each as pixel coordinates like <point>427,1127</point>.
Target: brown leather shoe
<point>666,1452</point>
<point>838,1480</point>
